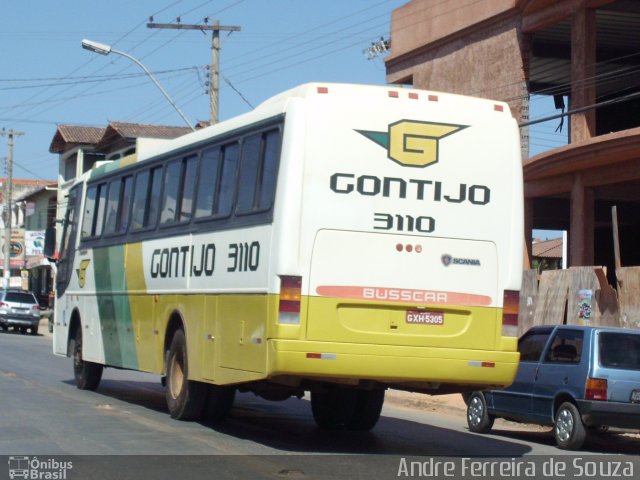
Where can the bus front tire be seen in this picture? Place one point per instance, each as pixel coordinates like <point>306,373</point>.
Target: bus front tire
<point>185,398</point>
<point>87,374</point>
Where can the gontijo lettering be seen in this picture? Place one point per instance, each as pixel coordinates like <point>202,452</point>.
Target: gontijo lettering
<point>173,262</point>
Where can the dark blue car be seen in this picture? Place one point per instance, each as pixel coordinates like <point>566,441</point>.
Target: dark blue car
<point>577,379</point>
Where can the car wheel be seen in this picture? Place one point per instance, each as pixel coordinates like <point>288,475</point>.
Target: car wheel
<point>34,330</point>
<point>478,417</point>
<point>568,428</point>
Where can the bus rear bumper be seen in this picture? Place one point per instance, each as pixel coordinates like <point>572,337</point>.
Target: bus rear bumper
<point>444,370</point>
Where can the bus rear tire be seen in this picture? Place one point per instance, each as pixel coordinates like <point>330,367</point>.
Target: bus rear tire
<point>367,410</point>
<point>218,403</point>
<point>87,374</point>
<point>185,398</point>
<point>333,407</point>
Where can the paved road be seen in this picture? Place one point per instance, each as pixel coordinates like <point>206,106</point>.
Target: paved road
<point>42,413</point>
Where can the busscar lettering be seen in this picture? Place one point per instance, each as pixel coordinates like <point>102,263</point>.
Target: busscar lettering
<point>179,262</point>
<point>399,294</point>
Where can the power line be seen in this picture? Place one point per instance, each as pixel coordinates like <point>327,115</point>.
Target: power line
<point>593,106</point>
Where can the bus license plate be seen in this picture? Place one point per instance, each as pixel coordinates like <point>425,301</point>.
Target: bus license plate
<point>635,396</point>
<point>425,318</point>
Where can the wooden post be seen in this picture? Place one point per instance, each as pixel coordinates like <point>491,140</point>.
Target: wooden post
<point>616,236</point>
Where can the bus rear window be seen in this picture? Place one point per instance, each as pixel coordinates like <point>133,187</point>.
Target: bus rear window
<point>619,350</point>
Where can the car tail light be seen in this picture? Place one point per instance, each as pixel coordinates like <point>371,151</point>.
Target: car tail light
<point>596,389</point>
<point>290,293</point>
<point>510,306</point>
<point>2,304</point>
<point>37,307</point>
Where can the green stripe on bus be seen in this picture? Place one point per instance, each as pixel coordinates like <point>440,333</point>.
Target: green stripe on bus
<point>113,307</point>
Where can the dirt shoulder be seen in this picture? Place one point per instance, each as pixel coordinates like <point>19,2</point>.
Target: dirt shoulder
<point>448,404</point>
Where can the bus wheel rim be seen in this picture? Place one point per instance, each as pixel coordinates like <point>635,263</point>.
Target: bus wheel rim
<point>177,377</point>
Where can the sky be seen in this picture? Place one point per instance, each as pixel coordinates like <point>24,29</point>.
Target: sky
<point>47,79</point>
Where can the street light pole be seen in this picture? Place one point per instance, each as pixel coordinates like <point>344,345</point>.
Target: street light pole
<point>103,49</point>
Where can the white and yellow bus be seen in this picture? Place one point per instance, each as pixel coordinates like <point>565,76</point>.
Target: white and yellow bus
<point>338,240</point>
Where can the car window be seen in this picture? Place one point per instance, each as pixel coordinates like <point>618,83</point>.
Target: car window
<point>566,347</point>
<point>20,297</point>
<point>619,350</point>
<point>531,345</point>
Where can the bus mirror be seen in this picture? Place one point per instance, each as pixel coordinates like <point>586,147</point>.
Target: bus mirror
<point>49,249</point>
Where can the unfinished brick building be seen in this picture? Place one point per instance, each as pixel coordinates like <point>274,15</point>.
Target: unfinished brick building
<point>587,51</point>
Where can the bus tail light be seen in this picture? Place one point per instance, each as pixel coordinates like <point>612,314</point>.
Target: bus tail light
<point>510,306</point>
<point>596,389</point>
<point>290,292</point>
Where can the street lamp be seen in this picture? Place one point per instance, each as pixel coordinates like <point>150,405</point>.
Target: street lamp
<point>103,49</point>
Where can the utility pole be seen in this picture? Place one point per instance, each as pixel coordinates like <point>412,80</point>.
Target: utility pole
<point>8,193</point>
<point>215,28</point>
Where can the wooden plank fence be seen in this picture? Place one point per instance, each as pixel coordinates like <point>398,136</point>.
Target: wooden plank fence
<point>576,296</point>
<point>629,296</point>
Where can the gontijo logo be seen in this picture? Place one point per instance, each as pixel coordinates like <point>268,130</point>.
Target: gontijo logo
<point>82,272</point>
<point>412,143</point>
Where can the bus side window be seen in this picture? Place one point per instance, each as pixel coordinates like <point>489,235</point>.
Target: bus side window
<point>207,182</point>
<point>227,185</point>
<point>89,212</point>
<point>151,216</point>
<point>271,157</point>
<point>139,200</point>
<point>113,199</point>
<point>258,172</point>
<point>125,204</point>
<point>102,201</point>
<point>188,188</point>
<point>170,194</point>
<point>249,170</point>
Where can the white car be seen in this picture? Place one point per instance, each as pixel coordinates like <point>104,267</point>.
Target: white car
<point>19,309</point>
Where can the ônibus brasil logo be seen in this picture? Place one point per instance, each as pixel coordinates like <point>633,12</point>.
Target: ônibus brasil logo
<point>412,143</point>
